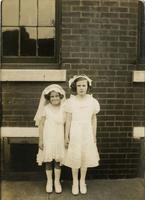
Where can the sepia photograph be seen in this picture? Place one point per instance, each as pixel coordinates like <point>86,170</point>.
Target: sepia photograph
<point>72,104</point>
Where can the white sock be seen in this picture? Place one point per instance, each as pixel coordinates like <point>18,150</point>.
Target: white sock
<point>75,176</point>
<point>49,187</point>
<point>49,175</point>
<point>57,173</point>
<point>83,175</point>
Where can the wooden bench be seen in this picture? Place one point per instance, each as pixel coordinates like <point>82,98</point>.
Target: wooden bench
<point>15,135</point>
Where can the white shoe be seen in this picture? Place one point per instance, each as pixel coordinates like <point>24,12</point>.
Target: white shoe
<point>49,188</point>
<point>75,189</point>
<point>57,186</point>
<point>83,188</point>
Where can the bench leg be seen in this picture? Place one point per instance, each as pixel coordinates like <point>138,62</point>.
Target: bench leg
<point>6,157</point>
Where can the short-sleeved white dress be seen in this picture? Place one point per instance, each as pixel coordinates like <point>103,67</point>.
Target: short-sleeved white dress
<point>82,151</point>
<point>53,135</point>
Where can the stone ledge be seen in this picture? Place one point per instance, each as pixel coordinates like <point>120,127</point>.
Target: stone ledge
<point>32,75</point>
<point>138,76</point>
<point>19,132</point>
<point>138,132</point>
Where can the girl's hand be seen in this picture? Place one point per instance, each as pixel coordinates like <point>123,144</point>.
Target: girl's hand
<point>66,143</point>
<point>95,141</point>
<point>41,145</point>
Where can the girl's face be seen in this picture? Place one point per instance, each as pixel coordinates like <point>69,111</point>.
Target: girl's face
<point>81,87</point>
<point>55,98</point>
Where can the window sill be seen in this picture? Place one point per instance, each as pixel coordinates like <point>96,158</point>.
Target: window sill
<point>33,75</point>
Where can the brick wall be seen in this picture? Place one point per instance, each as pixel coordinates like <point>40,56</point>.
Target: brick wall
<point>99,38</point>
<point>20,102</point>
<point>0,75</point>
<point>0,35</point>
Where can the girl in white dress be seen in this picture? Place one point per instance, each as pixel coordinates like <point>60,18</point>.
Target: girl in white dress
<point>80,131</point>
<point>50,120</point>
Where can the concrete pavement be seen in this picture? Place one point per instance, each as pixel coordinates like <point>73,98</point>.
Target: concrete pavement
<point>123,189</point>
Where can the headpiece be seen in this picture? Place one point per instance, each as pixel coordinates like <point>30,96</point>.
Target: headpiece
<point>42,102</point>
<point>80,76</point>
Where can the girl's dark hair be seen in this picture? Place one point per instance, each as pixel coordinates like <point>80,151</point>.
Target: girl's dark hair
<point>47,96</point>
<point>74,85</point>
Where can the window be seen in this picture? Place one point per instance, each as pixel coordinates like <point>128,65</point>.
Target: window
<point>30,31</point>
<point>141,31</point>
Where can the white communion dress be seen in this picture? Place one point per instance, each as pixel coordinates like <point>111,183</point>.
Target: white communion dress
<point>53,135</point>
<point>82,150</point>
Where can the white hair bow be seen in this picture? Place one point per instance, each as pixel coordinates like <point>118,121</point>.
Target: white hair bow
<point>79,76</point>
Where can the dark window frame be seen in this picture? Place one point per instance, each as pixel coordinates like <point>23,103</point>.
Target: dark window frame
<point>44,59</point>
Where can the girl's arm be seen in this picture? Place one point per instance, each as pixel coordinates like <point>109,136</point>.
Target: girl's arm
<point>41,126</point>
<point>67,128</point>
<point>94,125</point>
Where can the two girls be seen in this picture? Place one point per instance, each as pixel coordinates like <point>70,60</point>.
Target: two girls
<point>80,133</point>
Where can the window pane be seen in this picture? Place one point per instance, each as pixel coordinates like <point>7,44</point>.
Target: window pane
<point>10,12</point>
<point>46,41</point>
<point>10,37</point>
<point>46,14</point>
<point>29,30</point>
<point>28,37</point>
<point>28,13</point>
